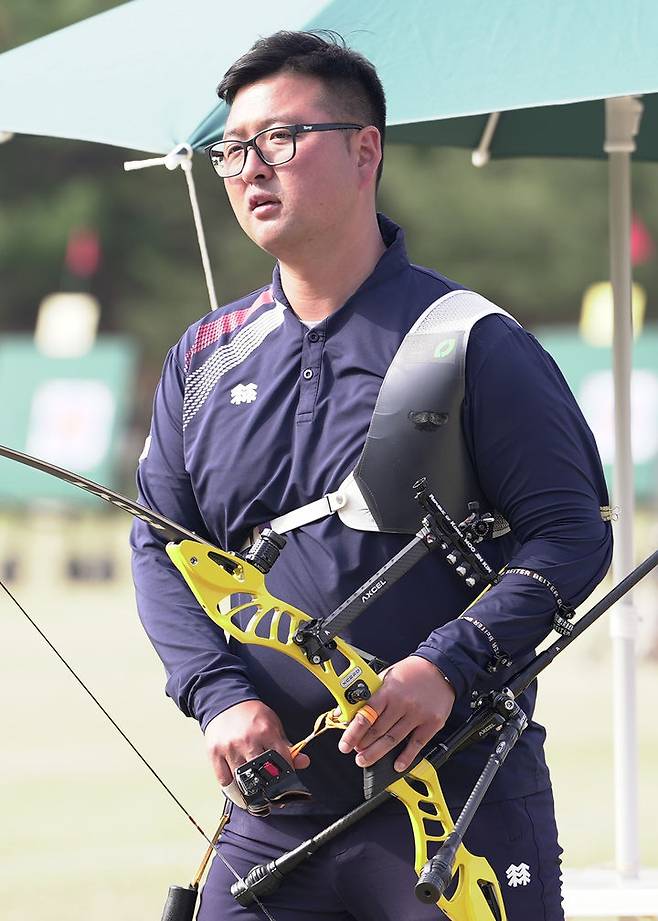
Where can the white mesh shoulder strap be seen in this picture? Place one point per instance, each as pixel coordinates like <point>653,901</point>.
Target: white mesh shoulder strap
<point>455,310</point>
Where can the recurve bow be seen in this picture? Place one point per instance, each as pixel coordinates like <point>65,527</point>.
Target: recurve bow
<point>214,575</point>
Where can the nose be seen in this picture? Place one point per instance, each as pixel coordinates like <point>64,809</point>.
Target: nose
<point>254,168</point>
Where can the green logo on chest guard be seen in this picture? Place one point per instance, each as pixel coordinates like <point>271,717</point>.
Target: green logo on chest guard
<point>444,348</point>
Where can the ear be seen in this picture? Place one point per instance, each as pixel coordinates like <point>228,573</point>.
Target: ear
<point>369,154</point>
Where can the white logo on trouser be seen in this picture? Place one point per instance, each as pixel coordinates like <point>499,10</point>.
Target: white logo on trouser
<point>518,875</point>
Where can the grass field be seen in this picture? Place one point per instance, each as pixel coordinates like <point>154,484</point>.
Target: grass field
<point>87,833</point>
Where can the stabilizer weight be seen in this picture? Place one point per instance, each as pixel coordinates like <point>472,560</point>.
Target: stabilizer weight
<point>180,904</point>
<point>259,882</point>
<point>437,873</point>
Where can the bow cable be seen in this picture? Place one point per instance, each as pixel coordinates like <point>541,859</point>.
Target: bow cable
<point>212,844</point>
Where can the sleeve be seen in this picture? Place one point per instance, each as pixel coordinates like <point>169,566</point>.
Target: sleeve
<point>538,464</point>
<point>203,676</point>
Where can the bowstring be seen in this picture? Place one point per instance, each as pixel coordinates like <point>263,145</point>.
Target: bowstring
<point>214,845</point>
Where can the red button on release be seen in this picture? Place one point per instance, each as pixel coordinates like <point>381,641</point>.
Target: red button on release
<point>271,769</point>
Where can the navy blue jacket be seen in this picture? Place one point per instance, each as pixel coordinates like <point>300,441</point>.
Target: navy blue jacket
<point>256,415</point>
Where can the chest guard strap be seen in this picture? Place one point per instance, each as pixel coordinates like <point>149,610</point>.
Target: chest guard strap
<point>416,430</point>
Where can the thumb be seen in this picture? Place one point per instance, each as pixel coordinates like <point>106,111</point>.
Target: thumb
<point>301,761</point>
<point>292,754</point>
<point>298,760</point>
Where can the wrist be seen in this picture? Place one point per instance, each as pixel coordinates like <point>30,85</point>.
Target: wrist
<point>438,670</point>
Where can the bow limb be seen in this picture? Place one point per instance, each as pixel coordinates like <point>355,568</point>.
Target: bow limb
<point>214,576</point>
<point>477,888</point>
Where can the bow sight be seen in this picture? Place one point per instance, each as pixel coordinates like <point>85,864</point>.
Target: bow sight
<point>438,531</point>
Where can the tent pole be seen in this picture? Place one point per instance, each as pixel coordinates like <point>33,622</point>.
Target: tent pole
<point>622,122</point>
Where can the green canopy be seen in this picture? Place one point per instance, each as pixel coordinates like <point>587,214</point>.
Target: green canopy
<point>143,75</point>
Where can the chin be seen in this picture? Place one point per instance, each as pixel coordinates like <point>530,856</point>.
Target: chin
<point>277,241</point>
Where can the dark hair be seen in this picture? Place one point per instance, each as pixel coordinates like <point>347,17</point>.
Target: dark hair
<point>359,94</point>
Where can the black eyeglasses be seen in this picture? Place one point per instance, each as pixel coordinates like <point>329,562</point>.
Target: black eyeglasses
<point>274,146</point>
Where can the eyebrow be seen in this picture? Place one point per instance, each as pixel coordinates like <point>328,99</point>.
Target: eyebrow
<point>270,122</point>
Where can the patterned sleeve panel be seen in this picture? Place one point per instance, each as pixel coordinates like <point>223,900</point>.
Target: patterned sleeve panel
<point>221,345</point>
<point>203,676</point>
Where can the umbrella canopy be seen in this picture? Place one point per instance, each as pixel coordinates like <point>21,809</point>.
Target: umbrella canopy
<point>143,75</point>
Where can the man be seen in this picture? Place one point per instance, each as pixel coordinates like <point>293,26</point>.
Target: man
<point>263,408</point>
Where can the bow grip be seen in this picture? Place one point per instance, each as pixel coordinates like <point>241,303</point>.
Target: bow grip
<point>382,773</point>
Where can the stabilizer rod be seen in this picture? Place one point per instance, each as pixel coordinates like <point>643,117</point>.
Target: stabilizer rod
<point>265,878</point>
<point>436,875</point>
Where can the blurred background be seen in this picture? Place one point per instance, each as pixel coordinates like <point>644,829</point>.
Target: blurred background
<point>99,275</point>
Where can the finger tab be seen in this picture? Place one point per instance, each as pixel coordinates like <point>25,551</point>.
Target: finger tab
<point>369,714</point>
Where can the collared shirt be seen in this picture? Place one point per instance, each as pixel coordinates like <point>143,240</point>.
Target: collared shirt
<point>256,415</point>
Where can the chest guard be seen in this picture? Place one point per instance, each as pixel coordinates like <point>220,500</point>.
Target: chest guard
<point>416,431</point>
<point>416,428</point>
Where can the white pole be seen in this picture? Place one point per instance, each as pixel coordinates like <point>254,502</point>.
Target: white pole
<point>182,156</point>
<point>622,123</point>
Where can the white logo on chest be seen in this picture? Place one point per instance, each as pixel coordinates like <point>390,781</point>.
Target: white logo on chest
<point>244,393</point>
<point>518,875</point>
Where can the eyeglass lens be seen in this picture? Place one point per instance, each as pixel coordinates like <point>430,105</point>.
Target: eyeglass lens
<point>276,145</point>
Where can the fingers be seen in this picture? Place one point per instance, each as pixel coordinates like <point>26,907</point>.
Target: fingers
<point>386,735</point>
<point>416,738</point>
<point>412,704</point>
<point>222,770</point>
<point>405,728</point>
<point>285,749</point>
<point>301,761</point>
<point>226,763</point>
<point>362,725</point>
<point>243,732</point>
<point>411,750</point>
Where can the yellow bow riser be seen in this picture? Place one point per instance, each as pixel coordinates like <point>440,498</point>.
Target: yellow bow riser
<point>421,793</point>
<point>273,623</point>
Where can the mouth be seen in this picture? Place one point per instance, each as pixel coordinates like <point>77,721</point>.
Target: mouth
<point>263,204</point>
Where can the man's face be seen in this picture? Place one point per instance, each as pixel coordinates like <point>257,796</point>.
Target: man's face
<point>308,200</point>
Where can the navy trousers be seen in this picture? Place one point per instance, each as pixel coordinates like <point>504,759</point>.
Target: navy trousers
<point>366,873</point>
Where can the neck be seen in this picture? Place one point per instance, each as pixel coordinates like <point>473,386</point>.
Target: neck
<point>318,281</point>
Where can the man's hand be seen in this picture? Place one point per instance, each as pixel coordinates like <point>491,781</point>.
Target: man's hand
<point>241,733</point>
<point>415,700</point>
